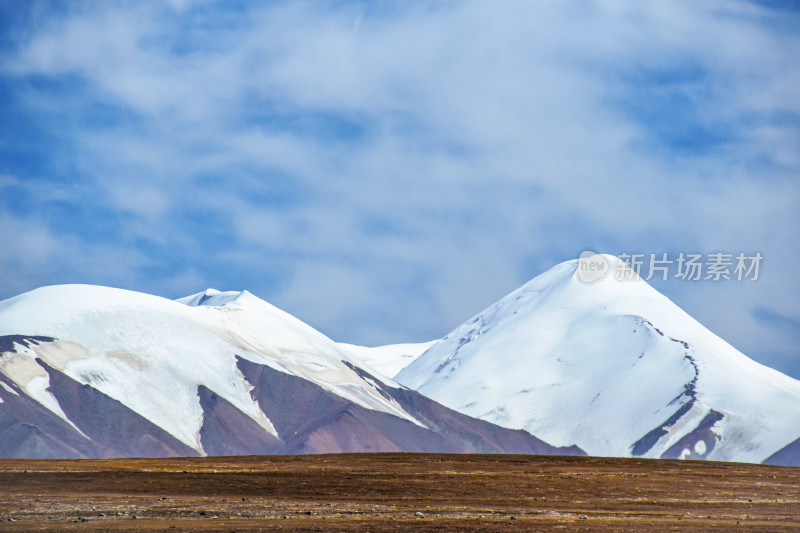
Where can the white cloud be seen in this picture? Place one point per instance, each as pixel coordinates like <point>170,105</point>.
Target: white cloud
<point>423,161</point>
<point>34,254</point>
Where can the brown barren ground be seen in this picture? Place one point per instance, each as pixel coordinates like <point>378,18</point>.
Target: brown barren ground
<point>391,492</point>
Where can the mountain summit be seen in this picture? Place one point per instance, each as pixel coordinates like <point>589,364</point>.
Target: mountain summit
<point>614,367</point>
<point>90,371</point>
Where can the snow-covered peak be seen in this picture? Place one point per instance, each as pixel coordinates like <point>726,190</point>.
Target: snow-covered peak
<point>147,352</point>
<point>611,365</point>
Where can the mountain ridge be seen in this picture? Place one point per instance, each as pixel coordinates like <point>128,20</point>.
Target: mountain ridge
<point>123,374</point>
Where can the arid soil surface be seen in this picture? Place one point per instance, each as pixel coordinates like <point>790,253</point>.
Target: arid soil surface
<point>391,492</point>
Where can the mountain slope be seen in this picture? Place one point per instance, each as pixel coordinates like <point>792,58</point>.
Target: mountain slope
<point>613,366</point>
<point>90,371</point>
<point>789,455</point>
<point>390,359</point>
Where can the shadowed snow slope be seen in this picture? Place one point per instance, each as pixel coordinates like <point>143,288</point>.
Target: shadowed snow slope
<point>614,367</point>
<point>90,371</point>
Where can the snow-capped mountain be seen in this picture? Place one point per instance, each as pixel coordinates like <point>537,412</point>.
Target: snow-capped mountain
<point>90,371</point>
<point>614,367</point>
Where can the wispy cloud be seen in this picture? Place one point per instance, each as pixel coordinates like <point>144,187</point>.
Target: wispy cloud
<point>386,170</point>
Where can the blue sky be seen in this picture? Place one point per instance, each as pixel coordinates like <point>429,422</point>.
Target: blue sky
<point>385,170</point>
